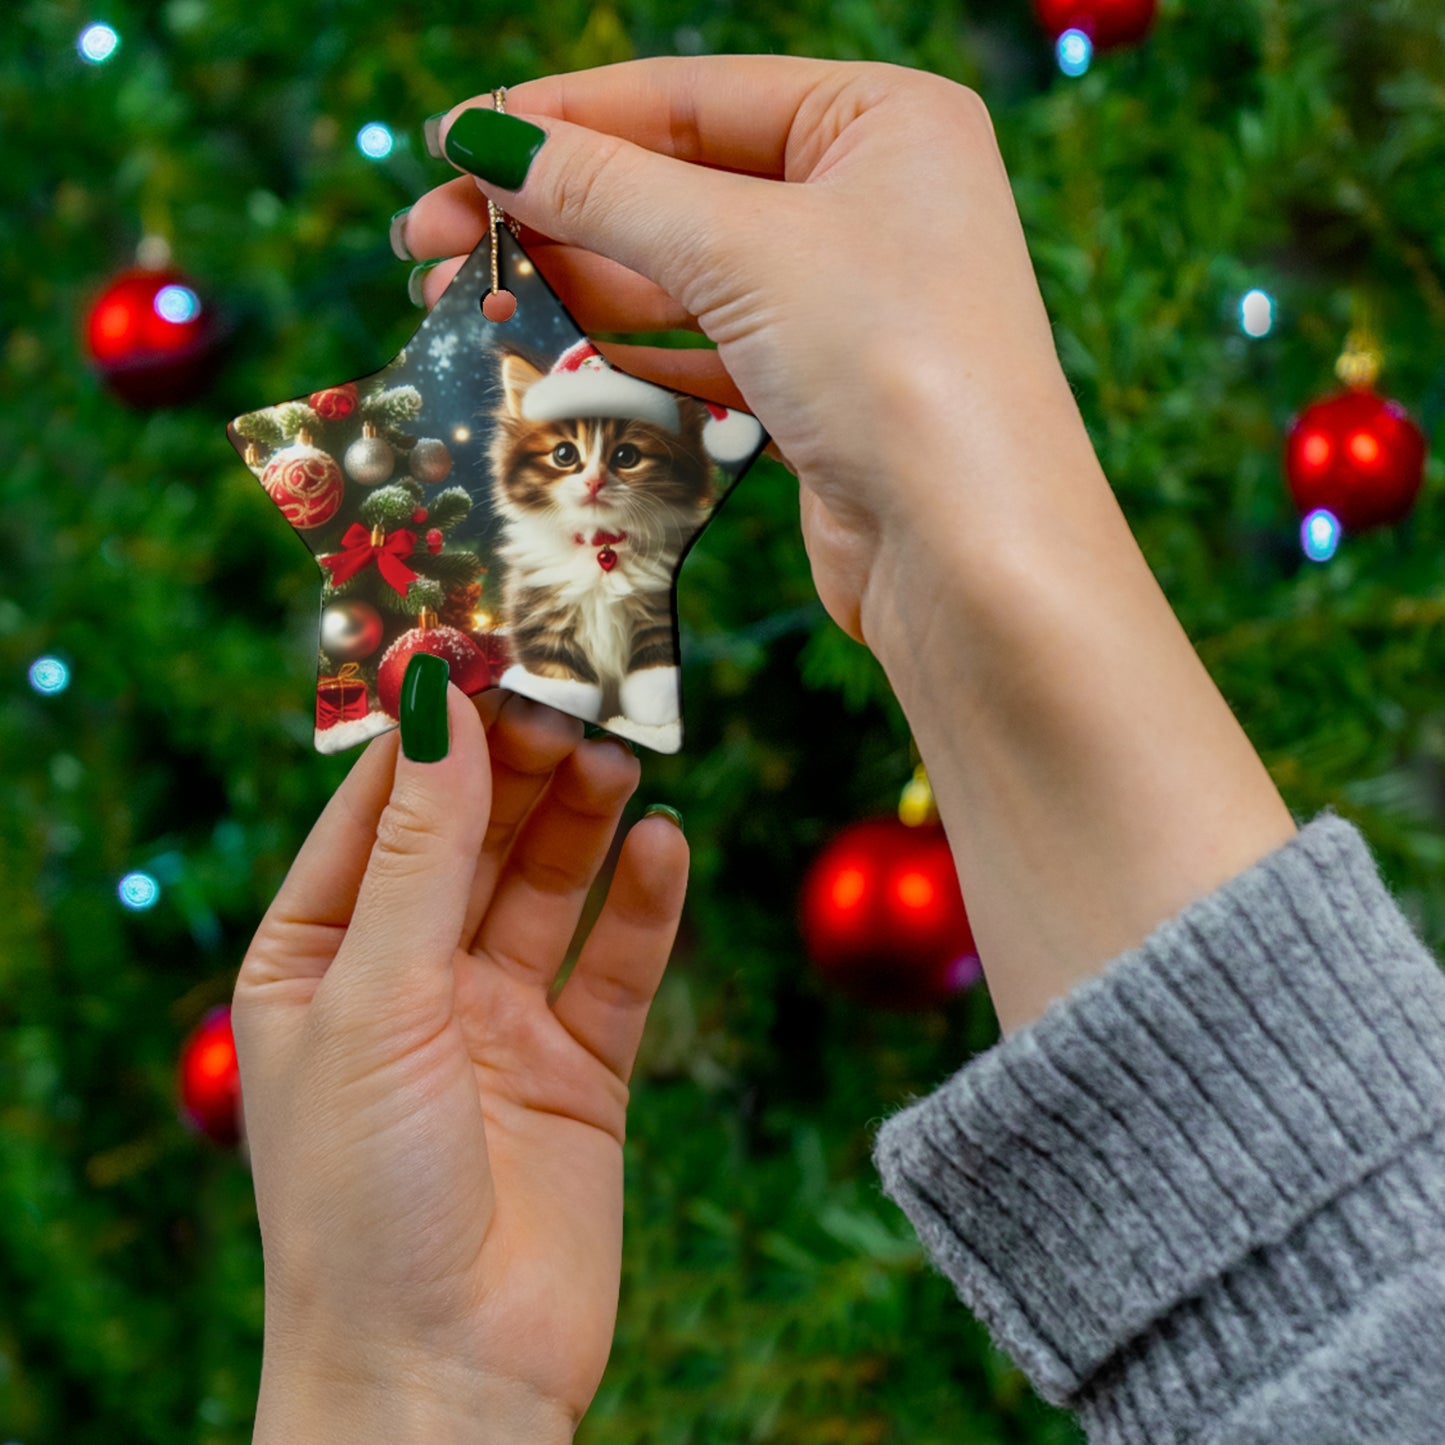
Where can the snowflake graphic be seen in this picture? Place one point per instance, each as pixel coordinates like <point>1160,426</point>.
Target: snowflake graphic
<point>441,349</point>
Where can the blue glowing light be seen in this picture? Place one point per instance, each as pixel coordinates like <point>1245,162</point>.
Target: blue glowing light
<point>1075,52</point>
<point>375,140</point>
<point>49,675</point>
<point>177,304</point>
<point>1320,535</point>
<point>97,43</point>
<point>138,891</point>
<point>1256,313</point>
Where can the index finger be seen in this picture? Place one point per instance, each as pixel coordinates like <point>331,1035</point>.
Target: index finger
<point>734,112</point>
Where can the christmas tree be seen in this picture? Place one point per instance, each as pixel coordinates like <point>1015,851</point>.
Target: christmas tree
<point>1211,211</point>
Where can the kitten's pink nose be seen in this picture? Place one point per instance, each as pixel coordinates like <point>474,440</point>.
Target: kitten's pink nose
<point>594,485</point>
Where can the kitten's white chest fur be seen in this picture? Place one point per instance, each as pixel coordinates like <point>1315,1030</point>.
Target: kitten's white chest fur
<point>548,555</point>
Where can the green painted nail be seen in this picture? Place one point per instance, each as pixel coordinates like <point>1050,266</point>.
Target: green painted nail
<point>498,148</point>
<point>413,283</point>
<point>425,737</point>
<point>431,133</point>
<point>398,235</point>
<point>671,814</point>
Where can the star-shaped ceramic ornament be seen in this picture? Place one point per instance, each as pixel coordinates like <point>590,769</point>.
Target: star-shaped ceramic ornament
<point>502,497</point>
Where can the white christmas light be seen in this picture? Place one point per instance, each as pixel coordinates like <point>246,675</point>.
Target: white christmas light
<point>1256,313</point>
<point>97,43</point>
<point>177,304</point>
<point>1320,535</point>
<point>462,434</point>
<point>1075,52</point>
<point>138,891</point>
<point>375,140</point>
<point>49,675</point>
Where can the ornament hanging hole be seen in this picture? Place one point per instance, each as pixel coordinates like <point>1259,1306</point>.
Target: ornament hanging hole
<point>499,306</point>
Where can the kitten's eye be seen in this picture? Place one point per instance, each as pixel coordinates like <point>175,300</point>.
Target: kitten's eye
<point>564,454</point>
<point>626,455</point>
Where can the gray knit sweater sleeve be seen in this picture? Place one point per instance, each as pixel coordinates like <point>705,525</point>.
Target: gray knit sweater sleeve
<point>1202,1199</point>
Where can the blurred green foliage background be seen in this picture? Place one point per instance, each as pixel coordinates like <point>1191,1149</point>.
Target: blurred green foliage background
<point>770,1292</point>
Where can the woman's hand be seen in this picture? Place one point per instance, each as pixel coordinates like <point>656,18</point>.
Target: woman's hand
<point>880,314</point>
<point>437,1148</point>
<point>846,233</point>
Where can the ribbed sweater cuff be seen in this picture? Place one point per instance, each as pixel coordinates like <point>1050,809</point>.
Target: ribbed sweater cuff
<point>1163,1130</point>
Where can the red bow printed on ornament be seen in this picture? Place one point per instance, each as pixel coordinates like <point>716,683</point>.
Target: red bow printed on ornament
<point>360,548</point>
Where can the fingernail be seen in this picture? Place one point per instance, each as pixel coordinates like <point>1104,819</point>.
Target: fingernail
<point>498,148</point>
<point>413,283</point>
<point>431,133</point>
<point>398,235</point>
<point>671,814</point>
<point>425,736</point>
<point>593,733</point>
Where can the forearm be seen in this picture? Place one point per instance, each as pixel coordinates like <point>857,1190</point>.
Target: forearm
<point>1092,779</point>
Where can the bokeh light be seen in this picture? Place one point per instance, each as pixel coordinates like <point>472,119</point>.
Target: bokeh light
<point>1256,313</point>
<point>1320,535</point>
<point>177,304</point>
<point>49,675</point>
<point>1075,52</point>
<point>97,43</point>
<point>138,891</point>
<point>375,140</point>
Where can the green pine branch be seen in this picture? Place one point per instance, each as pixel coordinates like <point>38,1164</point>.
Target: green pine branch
<point>424,595</point>
<point>391,506</point>
<point>448,508</point>
<point>262,426</point>
<point>451,569</point>
<point>392,406</point>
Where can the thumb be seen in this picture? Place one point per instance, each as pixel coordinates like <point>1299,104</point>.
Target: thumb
<point>395,964</point>
<point>675,223</point>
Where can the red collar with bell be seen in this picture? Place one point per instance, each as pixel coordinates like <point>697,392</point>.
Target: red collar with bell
<point>606,557</point>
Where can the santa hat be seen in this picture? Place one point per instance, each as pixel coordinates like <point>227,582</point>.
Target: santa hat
<point>581,383</point>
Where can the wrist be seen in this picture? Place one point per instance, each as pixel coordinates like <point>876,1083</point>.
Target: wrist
<point>1092,779</point>
<point>407,1401</point>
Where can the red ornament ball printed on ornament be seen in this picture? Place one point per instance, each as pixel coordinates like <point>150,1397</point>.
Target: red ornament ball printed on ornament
<point>419,516</point>
<point>335,403</point>
<point>883,917</point>
<point>468,666</point>
<point>1107,23</point>
<point>210,1079</point>
<point>1357,455</point>
<point>434,541</point>
<point>307,484</point>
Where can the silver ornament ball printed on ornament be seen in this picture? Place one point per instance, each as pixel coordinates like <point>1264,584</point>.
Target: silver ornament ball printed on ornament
<point>430,461</point>
<point>350,630</point>
<point>370,460</point>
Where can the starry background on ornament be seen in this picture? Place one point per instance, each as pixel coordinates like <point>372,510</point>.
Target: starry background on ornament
<point>452,361</point>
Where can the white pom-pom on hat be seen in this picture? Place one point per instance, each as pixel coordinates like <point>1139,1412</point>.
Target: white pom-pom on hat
<point>730,436</point>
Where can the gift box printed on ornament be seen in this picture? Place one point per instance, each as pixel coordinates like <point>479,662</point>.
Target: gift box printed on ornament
<point>500,496</point>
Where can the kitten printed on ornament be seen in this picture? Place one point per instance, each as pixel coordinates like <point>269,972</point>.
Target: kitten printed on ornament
<point>601,481</point>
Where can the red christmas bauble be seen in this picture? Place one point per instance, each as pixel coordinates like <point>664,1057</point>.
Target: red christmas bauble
<point>1107,23</point>
<point>434,541</point>
<point>306,483</point>
<point>420,515</point>
<point>469,668</point>
<point>152,338</point>
<point>1359,456</point>
<point>210,1080</point>
<point>336,403</point>
<point>883,917</point>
